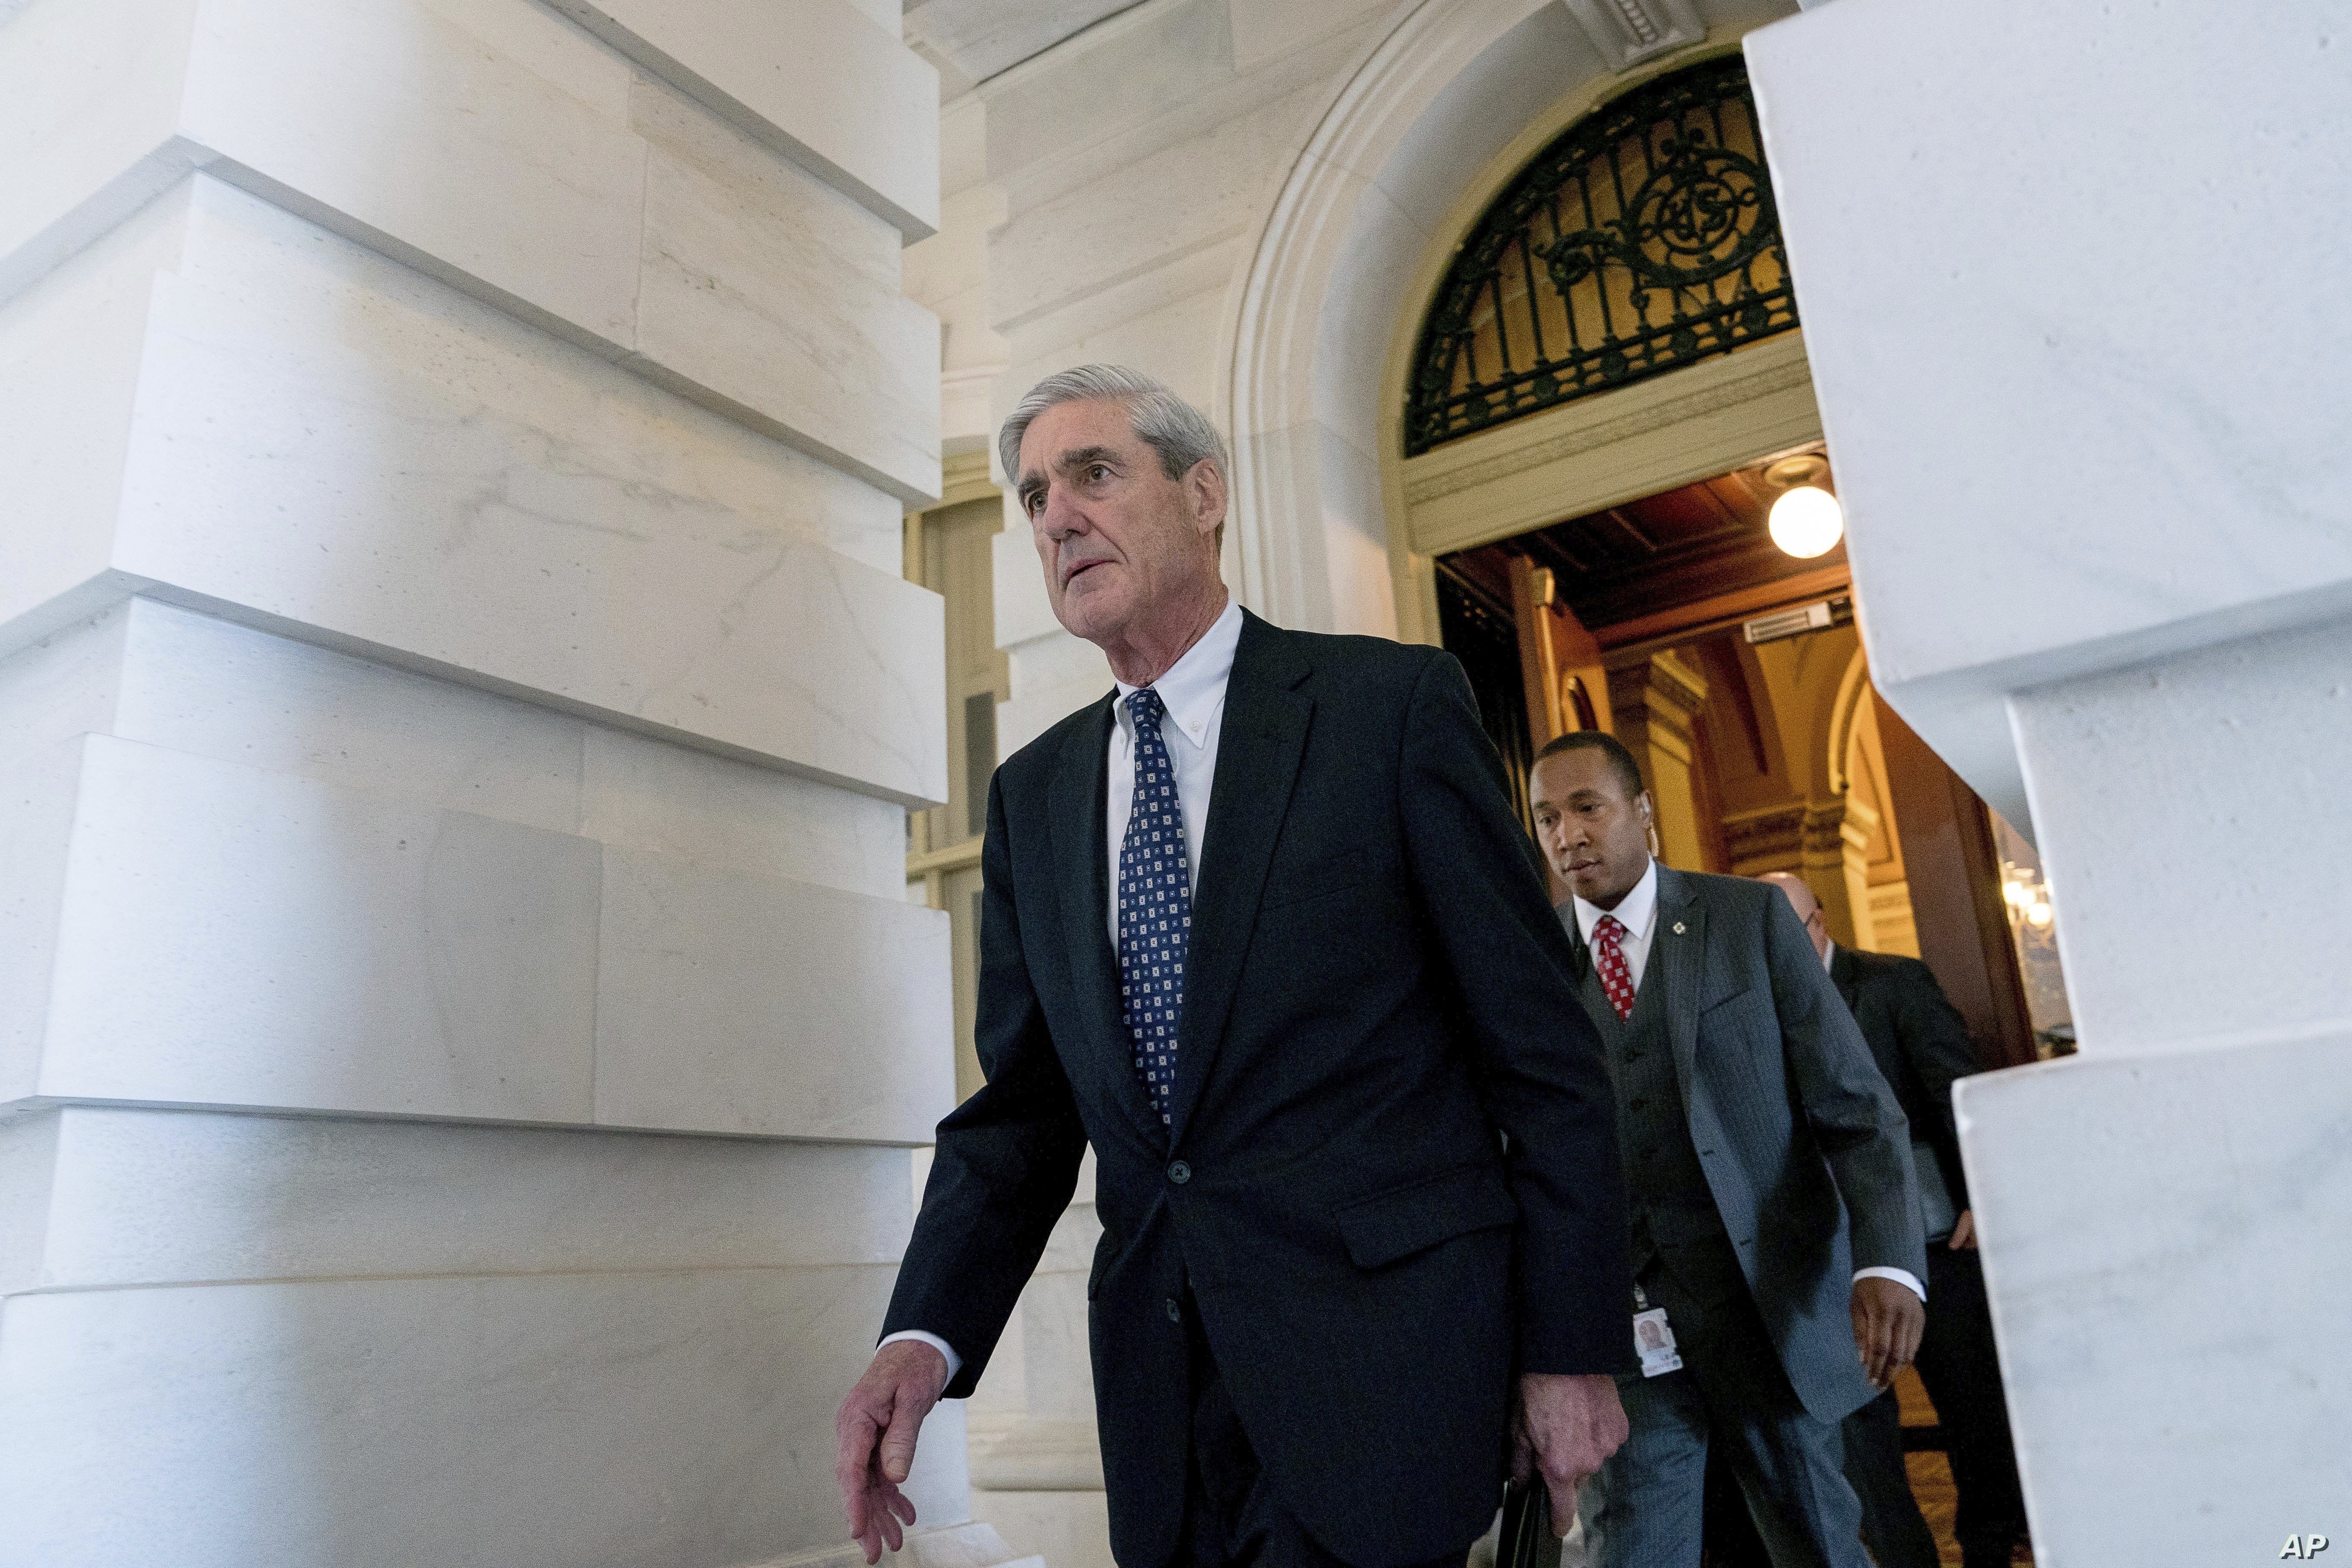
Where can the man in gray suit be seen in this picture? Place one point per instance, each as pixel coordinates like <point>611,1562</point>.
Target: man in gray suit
<point>1775,1217</point>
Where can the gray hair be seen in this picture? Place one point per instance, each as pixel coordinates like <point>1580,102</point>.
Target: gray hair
<point>1170,426</point>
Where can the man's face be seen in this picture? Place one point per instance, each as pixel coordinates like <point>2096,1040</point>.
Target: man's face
<point>1116,536</point>
<point>1596,835</point>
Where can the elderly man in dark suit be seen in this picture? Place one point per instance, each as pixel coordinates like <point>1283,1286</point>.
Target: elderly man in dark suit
<point>1775,1222</point>
<point>1922,1045</point>
<point>1261,927</point>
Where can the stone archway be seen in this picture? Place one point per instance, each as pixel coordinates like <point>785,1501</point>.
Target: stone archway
<point>1308,336</point>
<point>1449,84</point>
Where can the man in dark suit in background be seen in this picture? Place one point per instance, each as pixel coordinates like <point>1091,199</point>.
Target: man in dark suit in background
<point>1922,1045</point>
<point>1774,1217</point>
<point>1261,927</point>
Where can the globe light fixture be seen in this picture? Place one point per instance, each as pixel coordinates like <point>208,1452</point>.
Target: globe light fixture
<point>1806,522</point>
<point>1805,519</point>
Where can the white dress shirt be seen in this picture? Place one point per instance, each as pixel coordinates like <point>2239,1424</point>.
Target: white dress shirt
<point>1193,693</point>
<point>1637,911</point>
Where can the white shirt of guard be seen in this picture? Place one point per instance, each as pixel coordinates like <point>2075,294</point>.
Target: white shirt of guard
<point>1637,911</point>
<point>1193,693</point>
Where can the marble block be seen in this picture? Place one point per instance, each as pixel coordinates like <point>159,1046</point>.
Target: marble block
<point>89,93</point>
<point>1024,606</point>
<point>520,1421</point>
<point>2175,477</point>
<point>235,937</point>
<point>734,1004</point>
<point>38,799</point>
<point>751,289</point>
<point>813,79</point>
<point>97,1197</point>
<point>151,672</point>
<point>2165,1246</point>
<point>643,793</point>
<point>192,931</point>
<point>1053,676</point>
<point>501,176</point>
<point>163,676</point>
<point>2137,776</point>
<point>398,124</point>
<point>324,443</point>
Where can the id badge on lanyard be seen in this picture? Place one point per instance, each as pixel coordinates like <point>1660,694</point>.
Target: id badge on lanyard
<point>1654,1337</point>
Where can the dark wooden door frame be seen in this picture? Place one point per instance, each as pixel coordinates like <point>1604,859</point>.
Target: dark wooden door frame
<point>1953,867</point>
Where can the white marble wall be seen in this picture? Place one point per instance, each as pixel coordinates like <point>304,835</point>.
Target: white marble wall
<point>948,276</point>
<point>2100,536</point>
<point>257,1338</point>
<point>461,1030</point>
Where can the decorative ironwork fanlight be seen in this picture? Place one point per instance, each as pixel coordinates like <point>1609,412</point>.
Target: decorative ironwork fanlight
<point>1643,237</point>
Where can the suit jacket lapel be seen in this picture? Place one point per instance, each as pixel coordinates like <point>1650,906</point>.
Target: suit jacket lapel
<point>1263,736</point>
<point>1684,953</point>
<point>1080,832</point>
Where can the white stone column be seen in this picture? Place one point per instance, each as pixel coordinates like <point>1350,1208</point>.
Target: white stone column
<point>2071,280</point>
<point>460,1026</point>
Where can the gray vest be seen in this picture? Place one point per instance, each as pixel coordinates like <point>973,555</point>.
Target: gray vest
<point>1673,1207</point>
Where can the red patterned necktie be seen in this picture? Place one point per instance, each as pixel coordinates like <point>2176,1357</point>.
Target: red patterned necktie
<point>1616,978</point>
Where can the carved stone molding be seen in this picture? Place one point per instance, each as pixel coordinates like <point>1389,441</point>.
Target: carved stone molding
<point>1041,1455</point>
<point>1826,831</point>
<point>1628,32</point>
<point>1784,376</point>
<point>1787,833</point>
<point>1765,838</point>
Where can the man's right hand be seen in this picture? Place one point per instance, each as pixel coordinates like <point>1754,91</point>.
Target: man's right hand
<point>876,1430</point>
<point>1566,1425</point>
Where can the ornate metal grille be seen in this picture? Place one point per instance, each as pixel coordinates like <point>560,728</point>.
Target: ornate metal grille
<point>1642,239</point>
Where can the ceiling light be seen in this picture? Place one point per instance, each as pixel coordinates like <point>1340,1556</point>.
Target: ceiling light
<point>1806,519</point>
<point>1807,522</point>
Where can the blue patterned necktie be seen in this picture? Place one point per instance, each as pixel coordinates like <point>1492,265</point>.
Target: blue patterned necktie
<point>1155,905</point>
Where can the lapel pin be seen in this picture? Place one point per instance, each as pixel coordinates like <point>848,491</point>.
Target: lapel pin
<point>1678,928</point>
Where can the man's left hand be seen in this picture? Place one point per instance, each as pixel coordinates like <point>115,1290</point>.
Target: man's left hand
<point>1964,1233</point>
<point>1566,1425</point>
<point>1887,1321</point>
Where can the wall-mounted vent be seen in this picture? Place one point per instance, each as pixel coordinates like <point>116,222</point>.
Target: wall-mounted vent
<point>1814,618</point>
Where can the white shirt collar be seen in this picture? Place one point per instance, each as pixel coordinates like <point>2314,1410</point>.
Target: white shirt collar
<point>1194,686</point>
<point>1634,912</point>
<point>1829,956</point>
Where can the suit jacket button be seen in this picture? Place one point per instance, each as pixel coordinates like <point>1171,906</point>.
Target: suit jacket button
<point>1180,1173</point>
<point>1175,1312</point>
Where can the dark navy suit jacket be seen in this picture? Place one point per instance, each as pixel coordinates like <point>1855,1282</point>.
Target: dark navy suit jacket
<point>1376,989</point>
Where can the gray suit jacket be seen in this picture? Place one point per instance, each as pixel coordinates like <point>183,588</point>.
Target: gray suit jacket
<point>1805,1148</point>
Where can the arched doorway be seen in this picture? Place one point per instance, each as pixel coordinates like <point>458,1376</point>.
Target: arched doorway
<point>1603,399</point>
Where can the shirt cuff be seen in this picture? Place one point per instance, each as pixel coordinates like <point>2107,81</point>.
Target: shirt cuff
<point>1900,1276</point>
<point>955,1361</point>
